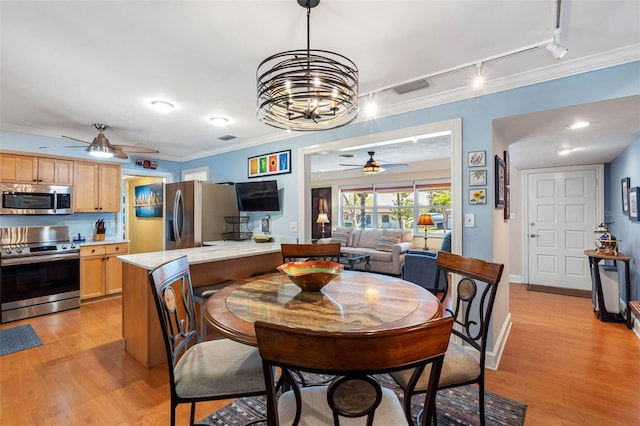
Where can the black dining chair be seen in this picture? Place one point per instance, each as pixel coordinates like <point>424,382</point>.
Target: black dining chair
<point>471,306</point>
<point>355,359</point>
<point>216,369</point>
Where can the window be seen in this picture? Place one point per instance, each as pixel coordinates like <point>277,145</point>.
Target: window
<point>396,206</point>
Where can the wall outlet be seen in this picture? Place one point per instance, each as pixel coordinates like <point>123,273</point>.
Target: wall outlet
<point>293,226</point>
<point>469,220</point>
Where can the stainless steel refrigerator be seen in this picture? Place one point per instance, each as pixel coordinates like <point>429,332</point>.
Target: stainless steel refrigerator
<point>195,212</point>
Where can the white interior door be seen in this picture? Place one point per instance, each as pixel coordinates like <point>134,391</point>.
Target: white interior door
<point>561,219</point>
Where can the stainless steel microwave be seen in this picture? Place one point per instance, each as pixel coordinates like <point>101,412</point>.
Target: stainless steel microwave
<point>36,199</point>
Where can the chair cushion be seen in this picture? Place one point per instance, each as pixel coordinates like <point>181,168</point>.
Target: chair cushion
<point>459,366</point>
<point>219,367</point>
<point>340,237</point>
<point>316,410</point>
<point>387,243</point>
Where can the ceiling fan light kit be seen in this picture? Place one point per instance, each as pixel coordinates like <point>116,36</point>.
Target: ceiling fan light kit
<point>307,90</point>
<point>102,148</point>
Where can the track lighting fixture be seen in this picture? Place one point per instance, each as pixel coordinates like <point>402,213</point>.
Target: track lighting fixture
<point>478,81</point>
<point>554,47</point>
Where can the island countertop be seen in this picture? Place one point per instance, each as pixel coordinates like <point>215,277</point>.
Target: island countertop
<point>213,251</point>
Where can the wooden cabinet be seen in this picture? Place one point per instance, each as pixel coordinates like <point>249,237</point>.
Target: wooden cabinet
<point>97,187</point>
<point>42,170</point>
<point>100,270</point>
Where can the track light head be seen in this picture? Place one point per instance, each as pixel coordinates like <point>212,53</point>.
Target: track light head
<point>556,50</point>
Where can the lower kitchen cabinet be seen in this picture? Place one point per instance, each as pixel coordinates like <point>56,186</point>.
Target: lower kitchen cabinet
<point>100,270</point>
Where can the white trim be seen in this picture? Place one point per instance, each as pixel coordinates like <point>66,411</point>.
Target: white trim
<point>561,69</point>
<point>599,169</point>
<point>492,360</point>
<point>195,170</point>
<point>515,279</point>
<point>454,126</point>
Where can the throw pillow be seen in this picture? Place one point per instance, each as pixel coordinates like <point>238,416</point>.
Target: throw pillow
<point>387,243</point>
<point>340,237</point>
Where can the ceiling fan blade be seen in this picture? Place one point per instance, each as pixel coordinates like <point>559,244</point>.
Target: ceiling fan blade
<point>133,148</point>
<point>394,166</point>
<point>74,139</point>
<point>350,165</point>
<point>119,154</point>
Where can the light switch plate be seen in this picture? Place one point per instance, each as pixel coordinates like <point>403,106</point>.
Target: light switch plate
<point>469,220</point>
<point>293,226</point>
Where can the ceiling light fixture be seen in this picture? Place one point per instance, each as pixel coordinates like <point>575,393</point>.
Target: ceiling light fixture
<point>219,121</point>
<point>579,125</point>
<point>307,90</point>
<point>564,151</point>
<point>554,47</point>
<point>371,166</point>
<point>162,106</point>
<point>478,81</point>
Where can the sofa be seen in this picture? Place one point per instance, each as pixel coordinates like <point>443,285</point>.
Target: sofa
<point>420,267</point>
<point>386,247</point>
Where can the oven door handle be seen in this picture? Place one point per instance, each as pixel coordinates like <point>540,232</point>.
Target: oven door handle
<point>39,259</point>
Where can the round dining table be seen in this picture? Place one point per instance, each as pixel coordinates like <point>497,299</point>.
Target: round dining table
<point>353,301</point>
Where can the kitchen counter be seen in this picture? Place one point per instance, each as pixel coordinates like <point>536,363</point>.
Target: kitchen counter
<point>213,251</point>
<point>218,261</point>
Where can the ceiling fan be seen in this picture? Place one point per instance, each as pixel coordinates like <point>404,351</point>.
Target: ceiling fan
<point>375,166</point>
<point>102,148</point>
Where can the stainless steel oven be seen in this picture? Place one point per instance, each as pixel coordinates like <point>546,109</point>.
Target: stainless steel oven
<point>39,272</point>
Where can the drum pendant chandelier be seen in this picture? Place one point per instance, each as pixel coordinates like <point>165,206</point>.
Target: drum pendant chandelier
<point>307,90</point>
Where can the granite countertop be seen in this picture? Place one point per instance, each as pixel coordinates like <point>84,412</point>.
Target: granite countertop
<point>213,251</point>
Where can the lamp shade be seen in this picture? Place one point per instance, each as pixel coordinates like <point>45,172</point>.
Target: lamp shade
<point>425,220</point>
<point>322,218</point>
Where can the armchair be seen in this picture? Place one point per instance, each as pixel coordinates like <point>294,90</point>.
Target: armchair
<point>420,267</point>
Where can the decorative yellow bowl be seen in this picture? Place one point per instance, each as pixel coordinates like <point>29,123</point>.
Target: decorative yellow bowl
<point>311,275</point>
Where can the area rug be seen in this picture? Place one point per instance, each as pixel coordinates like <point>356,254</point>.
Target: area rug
<point>18,339</point>
<point>456,406</point>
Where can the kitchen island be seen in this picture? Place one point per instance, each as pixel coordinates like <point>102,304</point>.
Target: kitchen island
<point>217,261</point>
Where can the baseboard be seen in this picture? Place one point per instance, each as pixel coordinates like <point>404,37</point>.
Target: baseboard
<point>493,357</point>
<point>558,290</point>
<point>515,279</point>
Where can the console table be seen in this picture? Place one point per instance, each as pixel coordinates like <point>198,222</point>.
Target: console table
<point>595,258</point>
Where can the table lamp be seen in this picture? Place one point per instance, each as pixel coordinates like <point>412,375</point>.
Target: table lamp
<point>322,219</point>
<point>425,220</point>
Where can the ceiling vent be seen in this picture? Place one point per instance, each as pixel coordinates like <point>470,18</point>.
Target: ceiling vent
<point>226,137</point>
<point>411,86</point>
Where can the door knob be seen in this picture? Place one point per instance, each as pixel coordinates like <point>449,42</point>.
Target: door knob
<point>533,235</point>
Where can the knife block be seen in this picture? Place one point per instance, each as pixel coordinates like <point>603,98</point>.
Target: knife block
<point>98,237</point>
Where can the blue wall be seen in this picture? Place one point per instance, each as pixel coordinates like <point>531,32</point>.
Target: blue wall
<point>477,116</point>
<point>625,165</point>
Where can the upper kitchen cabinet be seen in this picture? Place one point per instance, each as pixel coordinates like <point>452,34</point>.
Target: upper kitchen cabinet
<point>97,187</point>
<point>41,170</point>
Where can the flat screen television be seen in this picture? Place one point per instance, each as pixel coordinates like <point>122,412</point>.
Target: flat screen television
<point>258,196</point>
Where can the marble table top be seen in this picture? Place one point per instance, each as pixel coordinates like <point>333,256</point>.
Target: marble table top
<point>354,301</point>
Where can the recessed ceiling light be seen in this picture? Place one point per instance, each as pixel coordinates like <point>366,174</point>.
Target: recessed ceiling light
<point>564,151</point>
<point>162,106</point>
<point>219,121</point>
<point>579,125</point>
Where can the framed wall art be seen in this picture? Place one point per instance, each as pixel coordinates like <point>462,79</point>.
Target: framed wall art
<point>507,175</point>
<point>500,184</point>
<point>634,198</point>
<point>624,189</point>
<point>477,196</point>
<point>478,177</point>
<point>148,202</point>
<point>477,159</point>
<point>274,163</point>
<point>507,204</point>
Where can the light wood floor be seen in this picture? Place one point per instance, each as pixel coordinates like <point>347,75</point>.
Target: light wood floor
<point>568,367</point>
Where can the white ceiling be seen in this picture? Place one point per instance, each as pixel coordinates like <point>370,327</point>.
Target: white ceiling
<point>68,64</point>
